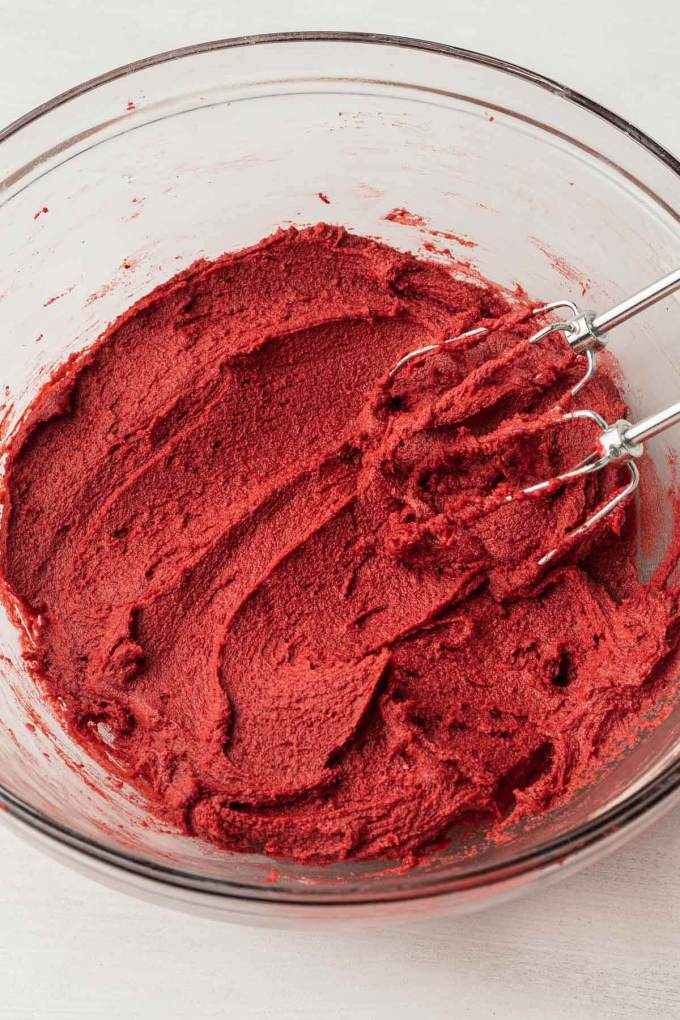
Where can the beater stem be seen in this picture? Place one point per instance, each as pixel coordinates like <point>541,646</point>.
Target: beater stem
<point>653,425</point>
<point>637,303</point>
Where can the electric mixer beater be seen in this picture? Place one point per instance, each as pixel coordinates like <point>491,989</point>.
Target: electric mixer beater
<point>586,334</point>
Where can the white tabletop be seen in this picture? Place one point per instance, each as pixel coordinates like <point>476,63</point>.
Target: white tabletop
<point>604,943</point>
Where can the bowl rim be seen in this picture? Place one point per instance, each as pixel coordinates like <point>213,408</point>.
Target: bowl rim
<point>648,800</point>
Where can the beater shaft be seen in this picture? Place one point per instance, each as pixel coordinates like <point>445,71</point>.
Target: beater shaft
<point>636,303</point>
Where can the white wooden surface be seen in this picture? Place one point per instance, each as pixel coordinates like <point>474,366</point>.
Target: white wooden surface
<point>604,943</point>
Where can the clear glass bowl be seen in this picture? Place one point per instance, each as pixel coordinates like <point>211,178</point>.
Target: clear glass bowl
<point>209,148</point>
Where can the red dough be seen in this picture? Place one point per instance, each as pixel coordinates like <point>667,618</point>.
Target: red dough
<point>281,592</point>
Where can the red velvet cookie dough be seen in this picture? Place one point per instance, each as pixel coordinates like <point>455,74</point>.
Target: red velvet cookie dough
<point>281,591</point>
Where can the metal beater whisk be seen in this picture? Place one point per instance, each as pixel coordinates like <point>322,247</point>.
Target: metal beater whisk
<point>620,441</point>
<point>585,332</point>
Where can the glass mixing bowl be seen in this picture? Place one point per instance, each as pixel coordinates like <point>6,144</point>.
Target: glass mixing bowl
<point>116,185</point>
